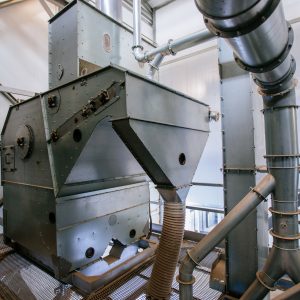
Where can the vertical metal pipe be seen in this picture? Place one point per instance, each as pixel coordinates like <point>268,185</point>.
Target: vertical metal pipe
<point>137,34</point>
<point>112,8</point>
<point>235,216</point>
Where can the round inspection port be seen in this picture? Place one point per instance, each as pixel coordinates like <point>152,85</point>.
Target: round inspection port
<point>182,159</point>
<point>89,253</point>
<point>52,218</point>
<point>132,233</point>
<point>77,135</point>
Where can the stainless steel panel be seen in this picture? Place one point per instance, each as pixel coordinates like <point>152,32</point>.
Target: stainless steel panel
<point>34,170</point>
<point>72,210</point>
<point>104,148</point>
<point>160,153</point>
<point>112,8</point>
<point>164,105</point>
<point>97,139</point>
<point>27,220</point>
<point>81,32</point>
<point>63,62</point>
<point>236,112</point>
<point>74,241</point>
<point>239,170</point>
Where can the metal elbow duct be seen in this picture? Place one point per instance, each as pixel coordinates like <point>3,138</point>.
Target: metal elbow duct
<point>247,25</point>
<point>137,47</point>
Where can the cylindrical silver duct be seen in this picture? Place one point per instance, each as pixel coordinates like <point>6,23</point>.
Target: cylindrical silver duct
<point>137,34</point>
<point>259,35</point>
<point>112,8</point>
<point>218,9</point>
<point>261,40</point>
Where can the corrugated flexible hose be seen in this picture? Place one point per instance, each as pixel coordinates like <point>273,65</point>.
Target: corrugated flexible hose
<point>160,283</point>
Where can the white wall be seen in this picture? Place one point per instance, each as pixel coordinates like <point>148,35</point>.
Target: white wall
<point>24,46</point>
<point>195,72</point>
<point>23,50</point>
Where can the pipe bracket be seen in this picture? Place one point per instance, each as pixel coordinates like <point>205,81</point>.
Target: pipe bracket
<point>286,238</point>
<point>171,51</point>
<point>284,89</point>
<point>188,252</point>
<point>185,282</point>
<point>262,277</point>
<point>287,213</point>
<point>282,156</point>
<point>259,194</point>
<point>285,249</point>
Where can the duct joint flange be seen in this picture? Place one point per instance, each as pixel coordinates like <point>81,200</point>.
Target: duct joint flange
<point>286,249</point>
<point>242,29</point>
<point>276,62</point>
<point>192,281</point>
<point>284,213</point>
<point>286,238</point>
<point>262,277</point>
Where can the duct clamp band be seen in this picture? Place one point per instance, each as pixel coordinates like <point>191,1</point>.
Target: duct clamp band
<point>171,51</point>
<point>262,197</point>
<point>185,282</point>
<point>284,213</point>
<point>286,238</point>
<point>268,278</point>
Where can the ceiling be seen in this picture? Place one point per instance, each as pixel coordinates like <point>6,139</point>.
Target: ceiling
<point>158,3</point>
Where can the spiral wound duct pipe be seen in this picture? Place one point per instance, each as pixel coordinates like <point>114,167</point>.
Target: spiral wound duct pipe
<point>160,284</point>
<point>261,40</point>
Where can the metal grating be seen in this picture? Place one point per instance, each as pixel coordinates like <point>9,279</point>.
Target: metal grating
<point>133,286</point>
<point>20,279</point>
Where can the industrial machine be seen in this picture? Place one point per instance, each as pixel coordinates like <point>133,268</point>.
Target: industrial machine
<point>76,160</point>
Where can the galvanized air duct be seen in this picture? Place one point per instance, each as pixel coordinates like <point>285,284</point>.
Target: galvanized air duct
<point>160,284</point>
<point>261,40</point>
<point>236,215</point>
<point>156,56</point>
<point>112,8</point>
